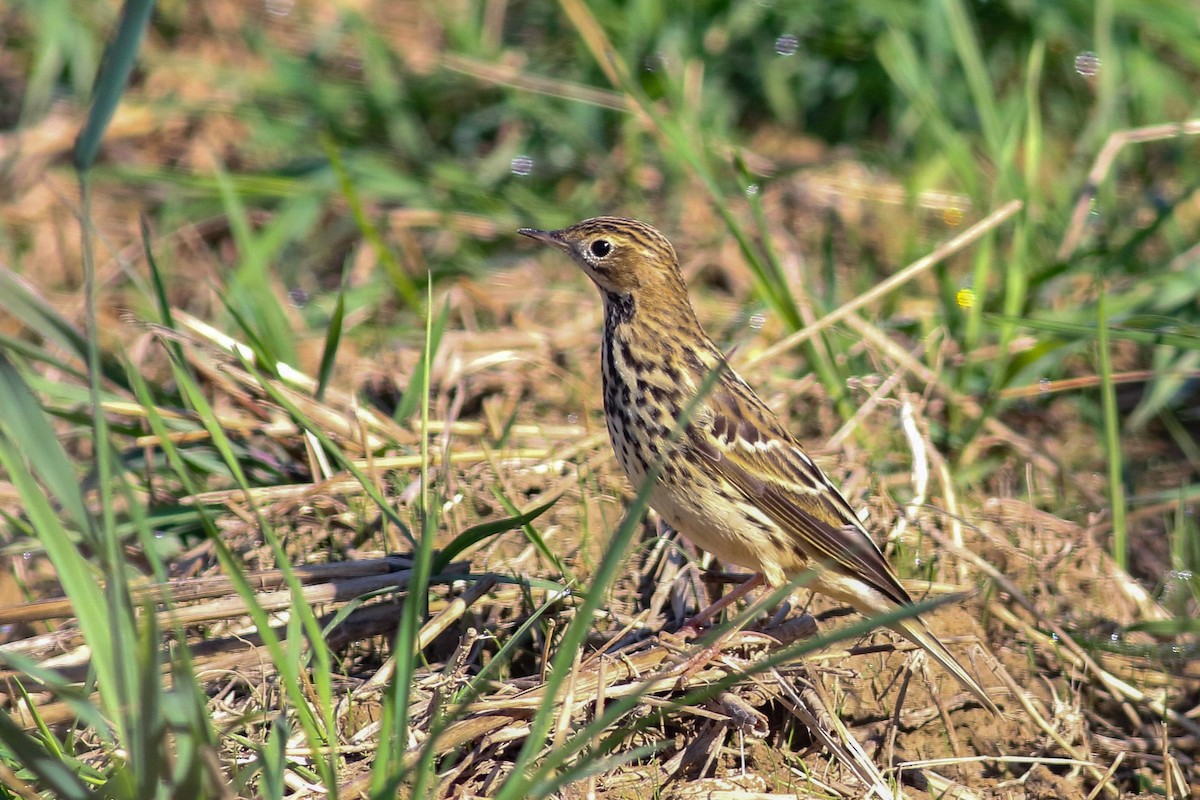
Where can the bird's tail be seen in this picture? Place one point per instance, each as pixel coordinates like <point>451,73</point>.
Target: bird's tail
<point>919,633</point>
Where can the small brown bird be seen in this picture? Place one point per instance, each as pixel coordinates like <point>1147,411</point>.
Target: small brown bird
<point>735,482</point>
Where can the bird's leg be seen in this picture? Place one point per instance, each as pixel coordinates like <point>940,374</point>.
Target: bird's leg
<point>692,626</point>
<point>701,658</point>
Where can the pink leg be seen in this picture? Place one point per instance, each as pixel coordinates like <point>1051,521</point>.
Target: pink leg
<point>692,626</point>
<point>700,659</point>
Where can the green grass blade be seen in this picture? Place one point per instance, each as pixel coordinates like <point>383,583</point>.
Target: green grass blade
<point>285,654</point>
<point>273,761</point>
<point>1112,432</point>
<point>412,398</point>
<point>586,767</point>
<point>22,419</point>
<point>333,337</point>
<point>22,301</point>
<point>51,770</point>
<point>251,293</point>
<point>103,626</point>
<point>1168,333</point>
<point>485,530</point>
<point>111,79</point>
<point>156,278</point>
<point>505,654</point>
<point>970,53</point>
<point>395,271</point>
<point>76,574</point>
<point>75,696</point>
<point>899,57</point>
<point>388,772</point>
<point>534,536</point>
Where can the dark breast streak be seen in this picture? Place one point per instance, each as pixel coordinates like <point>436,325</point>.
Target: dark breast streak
<point>618,393</point>
<point>643,392</point>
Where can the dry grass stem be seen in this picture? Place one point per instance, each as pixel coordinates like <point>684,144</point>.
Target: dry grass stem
<point>1100,167</point>
<point>959,242</point>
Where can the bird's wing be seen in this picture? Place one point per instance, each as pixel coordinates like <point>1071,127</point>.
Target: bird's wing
<point>748,446</point>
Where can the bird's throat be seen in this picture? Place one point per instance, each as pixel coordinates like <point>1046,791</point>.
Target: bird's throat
<point>618,309</point>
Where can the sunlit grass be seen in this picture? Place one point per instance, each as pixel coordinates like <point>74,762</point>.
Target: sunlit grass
<point>358,176</point>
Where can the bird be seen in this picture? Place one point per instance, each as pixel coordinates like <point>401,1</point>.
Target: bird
<point>732,479</point>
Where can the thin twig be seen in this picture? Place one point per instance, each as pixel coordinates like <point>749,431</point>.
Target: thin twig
<point>1101,166</point>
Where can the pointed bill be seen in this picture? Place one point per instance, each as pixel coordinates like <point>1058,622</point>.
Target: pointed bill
<point>552,238</point>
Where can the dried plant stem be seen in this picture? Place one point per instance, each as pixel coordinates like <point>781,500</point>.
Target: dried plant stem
<point>921,265</point>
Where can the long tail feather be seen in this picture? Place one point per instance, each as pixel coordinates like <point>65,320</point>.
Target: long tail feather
<point>870,601</point>
<point>918,633</point>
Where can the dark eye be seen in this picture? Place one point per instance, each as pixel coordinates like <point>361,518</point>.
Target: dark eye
<point>601,247</point>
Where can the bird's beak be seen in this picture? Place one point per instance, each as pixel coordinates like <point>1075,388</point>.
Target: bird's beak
<point>552,238</point>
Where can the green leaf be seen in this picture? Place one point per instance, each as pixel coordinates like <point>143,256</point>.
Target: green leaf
<point>484,530</point>
<point>52,772</point>
<point>111,79</point>
<point>333,336</point>
<point>23,421</point>
<point>412,394</point>
<point>1174,333</point>
<point>1166,627</point>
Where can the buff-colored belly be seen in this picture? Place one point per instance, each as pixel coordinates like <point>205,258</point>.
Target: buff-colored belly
<point>722,527</point>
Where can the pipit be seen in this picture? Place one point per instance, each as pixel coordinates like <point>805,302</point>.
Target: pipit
<point>733,480</point>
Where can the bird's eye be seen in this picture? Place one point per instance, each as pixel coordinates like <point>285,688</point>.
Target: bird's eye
<point>601,247</point>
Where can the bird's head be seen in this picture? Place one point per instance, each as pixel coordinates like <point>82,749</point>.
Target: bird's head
<point>621,256</point>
